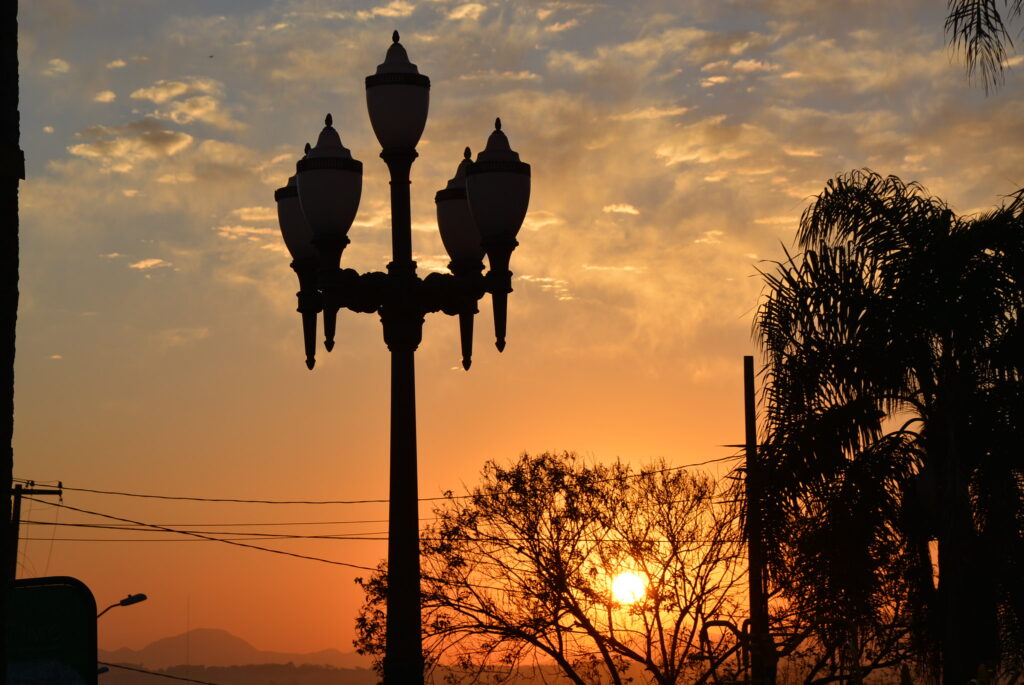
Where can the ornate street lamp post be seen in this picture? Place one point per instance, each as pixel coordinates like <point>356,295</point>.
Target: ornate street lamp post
<point>479,212</point>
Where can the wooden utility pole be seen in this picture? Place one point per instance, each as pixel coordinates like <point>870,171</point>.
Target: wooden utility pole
<point>762,647</point>
<point>15,526</point>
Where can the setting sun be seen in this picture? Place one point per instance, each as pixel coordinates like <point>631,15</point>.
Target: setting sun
<point>628,588</point>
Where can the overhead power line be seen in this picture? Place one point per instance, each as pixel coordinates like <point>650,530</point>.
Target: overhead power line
<point>238,500</point>
<point>250,524</point>
<point>361,535</point>
<point>208,537</point>
<point>380,539</point>
<point>357,537</point>
<point>280,537</point>
<point>154,673</point>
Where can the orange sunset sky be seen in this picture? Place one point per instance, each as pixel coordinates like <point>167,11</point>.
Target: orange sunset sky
<point>674,144</point>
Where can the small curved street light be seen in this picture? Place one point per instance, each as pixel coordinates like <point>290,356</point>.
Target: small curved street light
<point>127,601</point>
<point>479,212</point>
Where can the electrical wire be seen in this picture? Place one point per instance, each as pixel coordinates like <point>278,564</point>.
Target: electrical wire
<point>363,536</point>
<point>201,537</point>
<point>154,673</point>
<point>282,537</point>
<point>260,523</point>
<point>346,539</point>
<point>235,500</point>
<point>243,535</point>
<point>207,537</point>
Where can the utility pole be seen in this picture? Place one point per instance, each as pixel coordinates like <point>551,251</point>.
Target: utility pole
<point>15,525</point>
<point>762,647</point>
<point>12,170</point>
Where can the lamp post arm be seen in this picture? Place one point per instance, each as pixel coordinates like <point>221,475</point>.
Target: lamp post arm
<point>451,294</point>
<point>115,604</point>
<point>348,289</point>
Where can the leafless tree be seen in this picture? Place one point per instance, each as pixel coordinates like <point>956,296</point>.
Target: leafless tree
<point>519,575</point>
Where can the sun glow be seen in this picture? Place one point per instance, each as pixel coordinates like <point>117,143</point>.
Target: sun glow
<point>628,588</point>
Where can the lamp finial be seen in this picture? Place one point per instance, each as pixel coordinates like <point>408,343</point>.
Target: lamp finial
<point>394,36</point>
<point>497,123</point>
<point>328,120</point>
<point>467,153</point>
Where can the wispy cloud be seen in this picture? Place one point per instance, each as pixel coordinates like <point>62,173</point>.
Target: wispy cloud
<point>395,8</point>
<point>56,67</point>
<point>164,90</point>
<point>121,146</point>
<point>148,264</point>
<point>557,286</point>
<point>204,108</point>
<point>105,96</point>
<point>748,66</point>
<point>470,10</point>
<point>493,75</point>
<point>560,26</point>
<point>776,220</point>
<point>710,238</point>
<point>651,113</point>
<point>255,213</point>
<point>796,151</point>
<point>621,208</point>
<point>713,81</point>
<point>236,232</point>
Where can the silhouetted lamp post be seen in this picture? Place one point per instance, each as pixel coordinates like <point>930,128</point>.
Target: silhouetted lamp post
<point>479,212</point>
<point>126,602</point>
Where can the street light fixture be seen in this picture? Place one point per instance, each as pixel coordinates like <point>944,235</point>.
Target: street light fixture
<point>479,212</point>
<point>127,601</point>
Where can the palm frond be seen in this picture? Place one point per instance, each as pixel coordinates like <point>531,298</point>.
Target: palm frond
<point>977,29</point>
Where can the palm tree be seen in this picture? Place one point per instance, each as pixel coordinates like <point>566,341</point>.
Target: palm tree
<point>893,398</point>
<point>979,29</point>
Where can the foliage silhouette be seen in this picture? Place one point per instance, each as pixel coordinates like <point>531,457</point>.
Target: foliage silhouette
<point>893,396</point>
<point>979,29</point>
<point>520,574</point>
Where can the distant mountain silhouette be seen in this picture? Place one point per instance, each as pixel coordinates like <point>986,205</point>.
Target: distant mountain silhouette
<point>214,647</point>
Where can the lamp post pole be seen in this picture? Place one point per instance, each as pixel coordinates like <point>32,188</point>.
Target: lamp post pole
<point>479,212</point>
<point>403,330</point>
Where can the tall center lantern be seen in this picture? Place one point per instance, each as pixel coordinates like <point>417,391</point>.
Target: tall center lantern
<point>479,212</point>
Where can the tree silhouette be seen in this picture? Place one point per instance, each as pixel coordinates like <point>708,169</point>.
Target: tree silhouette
<point>978,28</point>
<point>520,573</point>
<point>893,397</point>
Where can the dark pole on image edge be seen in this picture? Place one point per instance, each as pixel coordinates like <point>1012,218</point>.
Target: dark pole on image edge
<point>12,170</point>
